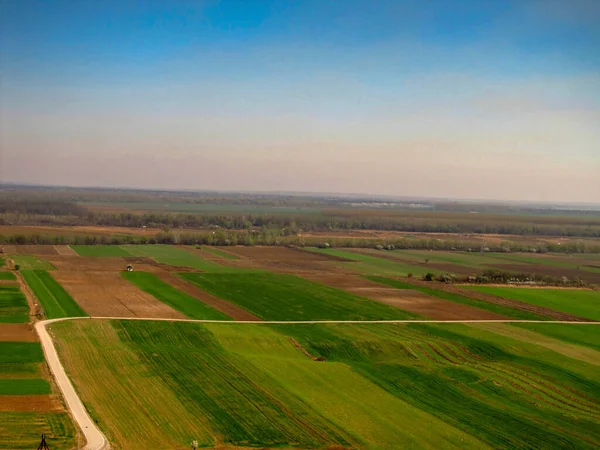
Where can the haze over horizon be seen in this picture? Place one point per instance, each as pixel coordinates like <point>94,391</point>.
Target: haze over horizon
<point>463,99</point>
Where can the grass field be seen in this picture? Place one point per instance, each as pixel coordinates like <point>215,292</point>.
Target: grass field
<point>189,306</point>
<point>13,305</point>
<point>379,386</point>
<point>31,262</point>
<point>24,387</point>
<point>55,301</point>
<point>373,265</point>
<point>22,430</point>
<point>457,298</point>
<point>4,275</point>
<point>579,302</point>
<point>288,297</point>
<point>2,261</point>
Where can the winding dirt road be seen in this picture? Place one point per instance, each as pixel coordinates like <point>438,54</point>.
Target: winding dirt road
<point>96,439</point>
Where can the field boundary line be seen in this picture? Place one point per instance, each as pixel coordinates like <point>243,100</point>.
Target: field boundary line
<point>94,437</point>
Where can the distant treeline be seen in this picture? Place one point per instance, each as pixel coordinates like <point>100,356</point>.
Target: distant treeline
<point>273,236</point>
<point>62,207</point>
<point>424,222</point>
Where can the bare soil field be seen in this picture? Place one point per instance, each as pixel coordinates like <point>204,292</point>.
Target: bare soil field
<point>30,403</point>
<point>98,263</point>
<point>17,332</point>
<point>28,230</point>
<point>224,306</point>
<point>65,250</point>
<point>105,294</point>
<point>30,249</point>
<point>285,259</point>
<point>554,271</point>
<point>408,300</point>
<point>540,310</point>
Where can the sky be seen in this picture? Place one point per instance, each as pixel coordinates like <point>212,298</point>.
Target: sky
<point>460,99</point>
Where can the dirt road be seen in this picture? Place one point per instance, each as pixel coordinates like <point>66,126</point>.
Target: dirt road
<point>94,437</point>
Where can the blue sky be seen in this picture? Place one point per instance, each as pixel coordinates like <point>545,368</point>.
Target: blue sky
<point>438,98</point>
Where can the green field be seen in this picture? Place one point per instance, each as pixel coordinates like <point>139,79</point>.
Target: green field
<point>457,298</point>
<point>26,386</point>
<point>20,352</point>
<point>2,261</point>
<point>578,302</point>
<point>13,305</point>
<point>4,275</point>
<point>22,430</point>
<point>377,386</point>
<point>31,262</point>
<point>189,306</point>
<point>288,297</point>
<point>374,265</point>
<point>55,301</point>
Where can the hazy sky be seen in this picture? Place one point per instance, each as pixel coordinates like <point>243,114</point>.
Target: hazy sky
<point>474,99</point>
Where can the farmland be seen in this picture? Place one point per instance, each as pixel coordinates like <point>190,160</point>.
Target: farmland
<point>29,405</point>
<point>55,301</point>
<point>440,381</point>
<point>162,384</point>
<point>584,303</point>
<point>288,297</point>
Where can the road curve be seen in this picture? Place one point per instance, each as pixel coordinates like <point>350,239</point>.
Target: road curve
<point>94,437</point>
<point>97,441</point>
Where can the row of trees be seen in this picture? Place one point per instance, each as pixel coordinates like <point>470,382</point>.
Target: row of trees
<point>276,236</point>
<point>293,224</point>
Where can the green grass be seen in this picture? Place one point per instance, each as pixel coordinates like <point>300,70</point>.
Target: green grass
<point>20,352</point>
<point>507,393</point>
<point>189,306</point>
<point>13,305</point>
<point>100,250</point>
<point>7,276</point>
<point>2,261</point>
<point>22,430</point>
<point>379,386</point>
<point>220,253</point>
<point>31,262</point>
<point>26,386</point>
<point>584,335</point>
<point>55,301</point>
<point>288,297</point>
<point>578,302</point>
<point>457,298</point>
<point>373,265</point>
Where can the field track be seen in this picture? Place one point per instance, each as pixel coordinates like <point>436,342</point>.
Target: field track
<point>96,439</point>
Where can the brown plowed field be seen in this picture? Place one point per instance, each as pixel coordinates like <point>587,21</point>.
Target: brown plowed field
<point>65,250</point>
<point>408,300</point>
<point>17,332</point>
<point>106,294</point>
<point>225,307</point>
<point>98,264</point>
<point>30,249</point>
<point>540,310</point>
<point>31,403</point>
<point>553,271</point>
<point>283,259</point>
